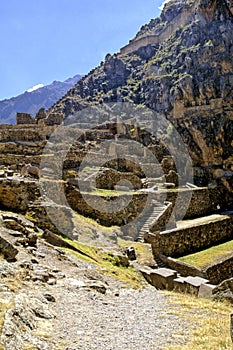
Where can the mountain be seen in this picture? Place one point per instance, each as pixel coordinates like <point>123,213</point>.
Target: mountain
<point>31,102</point>
<point>180,65</point>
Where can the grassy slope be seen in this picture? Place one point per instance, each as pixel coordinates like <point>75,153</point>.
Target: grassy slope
<point>108,264</point>
<point>209,256</point>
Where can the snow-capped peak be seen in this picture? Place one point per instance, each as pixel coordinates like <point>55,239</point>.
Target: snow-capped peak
<point>36,87</point>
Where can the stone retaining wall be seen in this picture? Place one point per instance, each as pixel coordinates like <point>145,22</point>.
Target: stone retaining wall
<point>187,240</point>
<point>181,267</point>
<point>129,213</point>
<point>25,132</point>
<point>221,271</point>
<point>204,201</point>
<point>215,273</point>
<point>16,194</point>
<point>181,20</point>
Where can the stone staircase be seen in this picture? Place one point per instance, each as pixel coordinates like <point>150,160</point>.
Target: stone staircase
<point>150,218</point>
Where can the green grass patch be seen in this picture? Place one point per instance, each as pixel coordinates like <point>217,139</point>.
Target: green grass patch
<point>112,193</point>
<point>209,256</point>
<point>91,223</point>
<point>108,263</point>
<point>105,193</point>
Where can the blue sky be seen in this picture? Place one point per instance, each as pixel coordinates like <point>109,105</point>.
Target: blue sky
<point>46,40</point>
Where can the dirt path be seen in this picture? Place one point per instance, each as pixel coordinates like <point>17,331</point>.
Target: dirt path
<point>133,320</point>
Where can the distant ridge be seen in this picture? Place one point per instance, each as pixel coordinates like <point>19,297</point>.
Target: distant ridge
<point>31,102</point>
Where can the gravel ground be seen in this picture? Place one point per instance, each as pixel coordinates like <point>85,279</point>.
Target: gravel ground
<point>143,319</point>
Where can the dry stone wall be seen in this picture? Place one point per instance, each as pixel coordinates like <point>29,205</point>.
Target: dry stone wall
<point>16,194</point>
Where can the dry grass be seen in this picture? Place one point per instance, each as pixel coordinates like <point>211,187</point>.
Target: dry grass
<point>4,306</point>
<point>210,320</point>
<point>90,223</point>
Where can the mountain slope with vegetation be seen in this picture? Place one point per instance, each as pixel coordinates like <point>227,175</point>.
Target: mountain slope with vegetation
<point>179,65</point>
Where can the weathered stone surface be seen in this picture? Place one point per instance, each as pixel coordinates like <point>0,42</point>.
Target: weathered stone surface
<point>55,240</point>
<point>221,270</point>
<point>161,278</point>
<point>193,284</point>
<point>55,218</point>
<point>206,291</point>
<point>193,236</point>
<point>179,285</point>
<point>13,225</point>
<point>172,177</point>
<point>88,284</point>
<point>24,118</point>
<point>130,252</point>
<point>109,178</point>
<point>22,319</point>
<point>21,228</point>
<point>7,247</point>
<point>7,270</point>
<point>224,290</point>
<point>16,194</point>
<point>30,170</point>
<point>94,207</point>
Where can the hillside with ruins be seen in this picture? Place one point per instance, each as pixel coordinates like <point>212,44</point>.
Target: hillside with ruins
<point>116,203</point>
<point>32,101</point>
<point>180,66</point>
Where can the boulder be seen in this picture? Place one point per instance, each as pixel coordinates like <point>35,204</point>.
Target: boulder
<point>7,248</point>
<point>131,254</point>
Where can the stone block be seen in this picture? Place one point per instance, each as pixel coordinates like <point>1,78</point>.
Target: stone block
<point>163,278</point>
<point>7,248</point>
<point>206,291</point>
<point>179,284</point>
<point>193,284</point>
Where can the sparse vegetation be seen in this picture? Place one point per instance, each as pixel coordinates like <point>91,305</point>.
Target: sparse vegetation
<point>3,308</point>
<point>108,264</point>
<point>211,322</point>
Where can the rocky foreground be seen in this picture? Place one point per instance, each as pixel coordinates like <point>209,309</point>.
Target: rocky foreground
<point>53,300</point>
<point>57,302</point>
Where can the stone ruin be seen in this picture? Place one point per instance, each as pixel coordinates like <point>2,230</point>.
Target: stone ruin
<point>22,147</point>
<point>41,118</point>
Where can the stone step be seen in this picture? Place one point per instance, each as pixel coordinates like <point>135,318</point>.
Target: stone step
<point>166,278</point>
<point>150,219</point>
<point>161,278</point>
<point>191,285</point>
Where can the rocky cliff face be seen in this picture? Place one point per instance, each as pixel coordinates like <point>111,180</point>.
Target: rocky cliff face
<point>180,65</point>
<point>31,102</point>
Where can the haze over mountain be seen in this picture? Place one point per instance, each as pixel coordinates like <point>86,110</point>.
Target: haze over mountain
<point>35,98</point>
